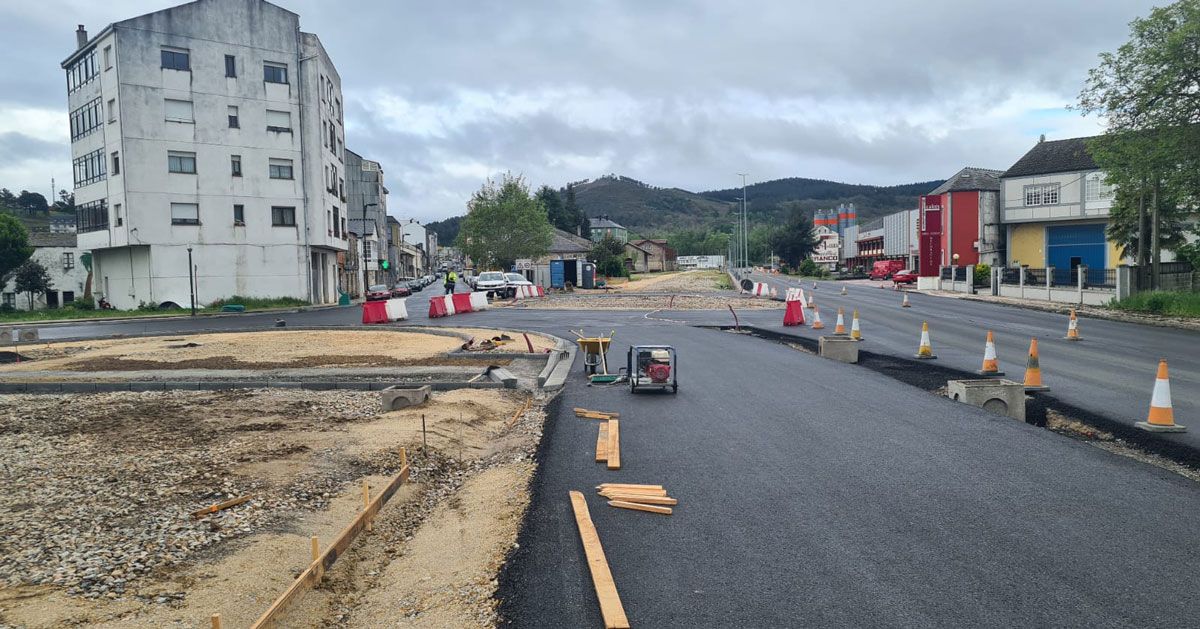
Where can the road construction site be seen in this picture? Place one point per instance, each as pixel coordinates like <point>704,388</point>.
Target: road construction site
<point>779,488</point>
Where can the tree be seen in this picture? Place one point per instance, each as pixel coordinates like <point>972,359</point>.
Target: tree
<point>795,239</point>
<point>32,202</point>
<point>32,278</point>
<point>555,211</point>
<point>609,255</point>
<point>7,198</point>
<point>1146,91</point>
<point>504,223</point>
<point>66,201</point>
<point>572,212</point>
<point>14,245</point>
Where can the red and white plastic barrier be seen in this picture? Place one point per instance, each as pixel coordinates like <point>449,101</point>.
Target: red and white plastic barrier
<point>479,301</point>
<point>529,292</point>
<point>458,303</point>
<point>384,311</point>
<point>759,289</point>
<point>794,294</point>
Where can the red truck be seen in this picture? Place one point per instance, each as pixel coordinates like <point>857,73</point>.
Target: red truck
<point>884,269</point>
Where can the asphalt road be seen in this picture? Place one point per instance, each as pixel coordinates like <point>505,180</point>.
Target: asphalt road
<point>814,493</point>
<point>1111,372</point>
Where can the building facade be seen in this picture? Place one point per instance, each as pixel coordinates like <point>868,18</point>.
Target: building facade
<point>1055,208</point>
<point>601,226</point>
<point>63,261</point>
<point>967,228</point>
<point>662,257</point>
<point>211,132</point>
<point>367,204</point>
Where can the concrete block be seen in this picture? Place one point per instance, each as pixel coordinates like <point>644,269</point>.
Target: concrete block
<point>284,384</point>
<point>503,376</point>
<point>43,387</point>
<point>78,387</point>
<point>12,387</point>
<point>840,348</point>
<point>318,386</point>
<point>1002,397</point>
<point>354,386</point>
<point>396,398</point>
<point>147,386</point>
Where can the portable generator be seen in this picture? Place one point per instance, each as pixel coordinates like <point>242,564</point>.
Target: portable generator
<point>652,366</point>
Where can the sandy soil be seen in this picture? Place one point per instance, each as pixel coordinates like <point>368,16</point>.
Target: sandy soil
<point>633,301</point>
<point>117,473</point>
<point>677,282</point>
<point>540,342</point>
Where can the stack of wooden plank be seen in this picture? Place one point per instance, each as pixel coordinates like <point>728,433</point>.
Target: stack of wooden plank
<point>649,498</point>
<point>608,437</point>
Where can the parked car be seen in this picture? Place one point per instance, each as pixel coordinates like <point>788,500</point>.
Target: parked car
<point>401,289</point>
<point>378,292</point>
<point>491,282</point>
<point>514,280</point>
<point>905,276</point>
<point>884,269</point>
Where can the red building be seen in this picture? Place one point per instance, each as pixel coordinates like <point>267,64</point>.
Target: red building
<point>961,217</point>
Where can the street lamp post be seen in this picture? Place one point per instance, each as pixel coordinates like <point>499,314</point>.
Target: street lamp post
<point>363,237</point>
<point>191,281</point>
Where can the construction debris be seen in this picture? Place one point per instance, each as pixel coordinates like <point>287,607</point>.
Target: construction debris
<point>649,498</point>
<point>590,414</point>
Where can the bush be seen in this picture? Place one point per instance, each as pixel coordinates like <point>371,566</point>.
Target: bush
<point>84,303</point>
<point>808,268</point>
<point>1170,303</point>
<point>983,275</point>
<point>252,303</point>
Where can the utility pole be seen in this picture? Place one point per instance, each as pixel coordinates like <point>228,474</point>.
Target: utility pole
<point>745,223</point>
<point>191,281</point>
<point>1155,246</point>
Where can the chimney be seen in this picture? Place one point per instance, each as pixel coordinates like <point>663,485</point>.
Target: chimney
<point>81,37</point>
<point>1042,138</point>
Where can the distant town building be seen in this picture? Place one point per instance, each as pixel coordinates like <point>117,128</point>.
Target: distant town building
<point>60,255</point>
<point>662,257</point>
<point>62,225</point>
<point>214,126</point>
<point>686,263</point>
<point>367,209</point>
<point>961,218</point>
<point>602,226</point>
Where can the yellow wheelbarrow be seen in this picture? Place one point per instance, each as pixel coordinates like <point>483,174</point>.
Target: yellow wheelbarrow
<point>595,354</point>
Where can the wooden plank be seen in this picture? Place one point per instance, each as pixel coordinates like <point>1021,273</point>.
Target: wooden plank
<point>642,499</point>
<point>524,407</point>
<point>590,414</point>
<point>312,575</point>
<point>646,492</point>
<point>220,506</point>
<point>626,486</point>
<point>602,444</point>
<point>606,589</point>
<point>614,444</point>
<point>636,506</point>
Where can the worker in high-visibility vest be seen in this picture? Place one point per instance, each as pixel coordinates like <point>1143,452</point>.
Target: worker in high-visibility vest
<point>451,280</point>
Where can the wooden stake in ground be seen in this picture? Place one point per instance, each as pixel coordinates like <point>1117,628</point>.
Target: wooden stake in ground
<point>614,445</point>
<point>606,589</point>
<point>641,499</point>
<point>221,506</point>
<point>216,621</point>
<point>602,444</point>
<point>367,503</point>
<point>637,506</point>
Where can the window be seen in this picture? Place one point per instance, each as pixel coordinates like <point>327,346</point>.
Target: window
<point>108,57</point>
<point>280,168</point>
<point>68,260</point>
<point>1096,189</point>
<point>235,165</point>
<point>68,296</point>
<point>82,71</point>
<point>332,138</point>
<point>90,217</point>
<point>116,163</point>
<point>283,216</point>
<point>112,110</point>
<point>233,117</point>
<point>89,168</point>
<point>239,214</point>
<point>274,73</point>
<point>185,214</point>
<point>332,179</point>
<point>279,121</point>
<point>180,162</point>
<point>10,300</point>
<point>339,109</point>
<point>117,214</point>
<point>230,66</point>
<point>324,137</point>
<point>86,119</point>
<point>178,110</point>
<point>175,59</point>
<point>342,189</point>
<point>337,223</point>
<point>1042,194</point>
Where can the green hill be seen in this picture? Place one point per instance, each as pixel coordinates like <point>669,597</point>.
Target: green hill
<point>769,197</point>
<point>645,208</point>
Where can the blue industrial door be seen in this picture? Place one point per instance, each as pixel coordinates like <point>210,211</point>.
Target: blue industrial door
<point>1069,246</point>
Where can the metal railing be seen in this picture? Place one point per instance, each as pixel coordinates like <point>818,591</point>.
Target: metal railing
<point>1010,276</point>
<point>960,273</point>
<point>1100,278</point>
<point>946,273</point>
<point>1035,277</point>
<point>1064,277</point>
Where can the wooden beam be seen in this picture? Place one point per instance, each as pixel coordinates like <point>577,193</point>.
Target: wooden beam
<point>639,507</point>
<point>626,486</point>
<point>524,407</point>
<point>646,492</point>
<point>602,444</point>
<point>220,506</point>
<point>602,580</point>
<point>590,414</point>
<point>642,499</point>
<point>614,444</point>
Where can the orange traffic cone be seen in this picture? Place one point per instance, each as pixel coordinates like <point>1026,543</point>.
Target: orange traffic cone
<point>843,289</point>
<point>855,332</point>
<point>1033,370</point>
<point>991,366</point>
<point>905,304</point>
<point>1073,328</point>
<point>925,350</point>
<point>840,326</point>
<point>817,325</point>
<point>1162,417</point>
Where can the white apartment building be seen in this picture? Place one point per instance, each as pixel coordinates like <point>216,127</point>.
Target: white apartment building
<point>212,128</point>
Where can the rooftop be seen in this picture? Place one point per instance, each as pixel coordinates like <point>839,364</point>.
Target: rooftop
<point>603,222</point>
<point>46,239</point>
<point>1053,156</point>
<point>971,178</point>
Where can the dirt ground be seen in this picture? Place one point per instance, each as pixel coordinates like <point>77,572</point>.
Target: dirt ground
<point>95,527</point>
<point>633,301</point>
<point>281,349</point>
<point>705,281</point>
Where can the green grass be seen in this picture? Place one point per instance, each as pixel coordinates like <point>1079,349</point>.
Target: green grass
<point>1175,304</point>
<point>55,314</point>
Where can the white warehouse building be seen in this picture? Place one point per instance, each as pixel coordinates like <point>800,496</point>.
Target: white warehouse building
<point>216,127</point>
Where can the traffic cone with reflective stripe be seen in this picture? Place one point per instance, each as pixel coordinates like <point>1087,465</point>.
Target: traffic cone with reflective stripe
<point>1161,417</point>
<point>817,325</point>
<point>840,326</point>
<point>810,300</point>
<point>1073,328</point>
<point>991,366</point>
<point>905,304</point>
<point>814,286</point>
<point>855,332</point>
<point>925,350</point>
<point>1033,370</point>
<point>843,289</point>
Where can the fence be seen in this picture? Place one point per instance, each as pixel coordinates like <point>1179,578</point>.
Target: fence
<point>1172,276</point>
<point>1100,278</point>
<point>1010,276</point>
<point>1080,285</point>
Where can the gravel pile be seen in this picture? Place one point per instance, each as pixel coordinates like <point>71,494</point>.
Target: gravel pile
<point>633,301</point>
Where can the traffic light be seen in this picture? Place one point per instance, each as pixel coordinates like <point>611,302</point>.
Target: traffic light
<point>383,264</point>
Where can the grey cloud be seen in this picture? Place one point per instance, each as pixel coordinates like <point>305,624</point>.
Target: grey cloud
<point>17,147</point>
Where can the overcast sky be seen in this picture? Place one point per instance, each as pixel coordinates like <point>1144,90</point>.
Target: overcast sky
<point>683,94</point>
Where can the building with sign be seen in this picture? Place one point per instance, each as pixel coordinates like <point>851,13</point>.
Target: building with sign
<point>828,250</point>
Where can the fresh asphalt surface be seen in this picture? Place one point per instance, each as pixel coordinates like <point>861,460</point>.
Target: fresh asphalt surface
<point>814,493</point>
